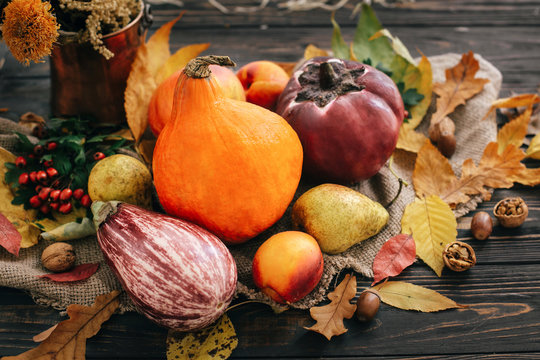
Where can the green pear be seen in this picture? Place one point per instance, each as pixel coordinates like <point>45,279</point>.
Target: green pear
<point>338,217</point>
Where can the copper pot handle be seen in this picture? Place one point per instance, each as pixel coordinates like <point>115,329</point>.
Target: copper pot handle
<point>147,19</point>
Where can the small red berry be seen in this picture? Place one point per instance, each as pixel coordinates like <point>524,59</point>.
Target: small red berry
<point>51,146</point>
<point>35,201</point>
<point>54,205</point>
<point>48,163</point>
<point>42,176</point>
<point>52,172</point>
<point>20,162</point>
<point>38,149</point>
<point>23,179</point>
<point>31,156</point>
<point>45,209</point>
<point>44,193</point>
<point>33,176</point>
<point>99,156</point>
<point>54,195</point>
<point>38,188</point>
<point>65,208</point>
<point>65,195</point>
<point>85,201</point>
<point>78,194</point>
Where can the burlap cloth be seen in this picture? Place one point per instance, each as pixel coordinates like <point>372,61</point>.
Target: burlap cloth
<point>472,136</point>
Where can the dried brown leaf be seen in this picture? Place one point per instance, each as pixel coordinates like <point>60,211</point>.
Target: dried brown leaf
<point>68,340</point>
<point>42,336</point>
<point>460,85</point>
<point>513,102</point>
<point>330,317</point>
<point>515,130</point>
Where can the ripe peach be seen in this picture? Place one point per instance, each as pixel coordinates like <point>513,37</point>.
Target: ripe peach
<point>159,110</point>
<point>287,266</point>
<point>263,82</point>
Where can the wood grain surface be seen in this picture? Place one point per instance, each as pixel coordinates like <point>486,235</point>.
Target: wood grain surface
<point>502,320</point>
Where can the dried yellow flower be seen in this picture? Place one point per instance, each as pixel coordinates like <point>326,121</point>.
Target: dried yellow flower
<point>29,29</point>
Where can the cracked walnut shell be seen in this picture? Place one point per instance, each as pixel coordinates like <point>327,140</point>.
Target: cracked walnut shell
<point>511,212</point>
<point>459,256</point>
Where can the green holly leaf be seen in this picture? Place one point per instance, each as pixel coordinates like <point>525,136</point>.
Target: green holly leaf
<point>214,342</point>
<point>24,145</point>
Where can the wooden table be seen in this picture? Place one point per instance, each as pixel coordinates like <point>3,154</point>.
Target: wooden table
<point>503,290</point>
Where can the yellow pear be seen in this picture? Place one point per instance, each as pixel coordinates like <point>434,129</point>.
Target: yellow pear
<point>338,217</point>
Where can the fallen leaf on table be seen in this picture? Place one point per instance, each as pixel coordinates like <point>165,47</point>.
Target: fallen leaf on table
<point>68,340</point>
<point>78,273</point>
<point>395,255</point>
<point>312,51</point>
<point>146,70</point>
<point>433,225</point>
<point>533,151</point>
<point>214,342</point>
<point>460,85</point>
<point>409,139</point>
<point>515,130</point>
<point>42,336</point>
<point>408,296</point>
<point>330,317</point>
<point>10,239</point>
<point>16,214</point>
<point>513,102</point>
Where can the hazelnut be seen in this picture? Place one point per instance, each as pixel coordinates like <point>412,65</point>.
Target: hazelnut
<point>447,145</point>
<point>442,133</point>
<point>481,225</point>
<point>459,256</point>
<point>367,305</point>
<point>511,212</point>
<point>58,257</point>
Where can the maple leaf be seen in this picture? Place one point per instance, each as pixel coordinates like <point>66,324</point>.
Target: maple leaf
<point>408,296</point>
<point>153,63</point>
<point>78,273</point>
<point>460,85</point>
<point>433,225</point>
<point>214,342</point>
<point>394,256</point>
<point>330,317</point>
<point>68,339</point>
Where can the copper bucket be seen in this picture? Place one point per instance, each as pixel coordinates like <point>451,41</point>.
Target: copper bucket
<point>84,83</point>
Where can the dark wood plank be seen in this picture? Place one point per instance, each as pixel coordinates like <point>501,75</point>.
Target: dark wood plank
<point>201,14</point>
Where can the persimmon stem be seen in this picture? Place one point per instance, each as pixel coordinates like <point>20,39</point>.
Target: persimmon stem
<point>199,67</point>
<point>327,76</point>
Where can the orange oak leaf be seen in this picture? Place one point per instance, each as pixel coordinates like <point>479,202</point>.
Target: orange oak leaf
<point>515,130</point>
<point>68,339</point>
<point>460,85</point>
<point>330,317</point>
<point>513,102</point>
<point>394,256</point>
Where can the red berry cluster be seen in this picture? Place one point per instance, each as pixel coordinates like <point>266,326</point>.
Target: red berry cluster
<point>50,191</point>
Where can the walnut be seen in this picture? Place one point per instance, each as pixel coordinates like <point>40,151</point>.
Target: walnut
<point>511,212</point>
<point>459,256</point>
<point>58,257</point>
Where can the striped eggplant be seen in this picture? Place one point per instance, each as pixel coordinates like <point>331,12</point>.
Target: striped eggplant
<point>178,274</point>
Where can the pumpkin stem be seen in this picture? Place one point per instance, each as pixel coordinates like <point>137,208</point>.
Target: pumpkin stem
<point>198,67</point>
<point>327,75</point>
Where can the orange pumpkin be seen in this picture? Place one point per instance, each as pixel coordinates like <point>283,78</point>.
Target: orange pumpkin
<point>230,166</point>
<point>161,103</point>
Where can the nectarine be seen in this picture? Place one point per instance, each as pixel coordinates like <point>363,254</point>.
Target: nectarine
<point>288,266</point>
<point>263,82</point>
<point>159,110</point>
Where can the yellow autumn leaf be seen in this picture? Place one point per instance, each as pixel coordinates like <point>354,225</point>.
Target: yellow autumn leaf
<point>179,60</point>
<point>513,102</point>
<point>533,151</point>
<point>20,218</point>
<point>515,130</point>
<point>409,139</point>
<point>433,225</point>
<point>408,296</point>
<point>423,86</point>
<point>214,342</point>
<point>146,72</point>
<point>312,51</point>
